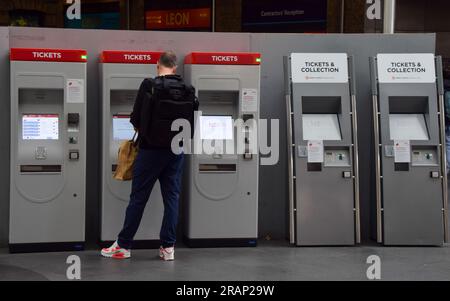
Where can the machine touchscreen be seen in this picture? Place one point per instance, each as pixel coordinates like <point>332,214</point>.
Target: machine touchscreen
<point>40,127</point>
<point>216,128</point>
<point>122,128</point>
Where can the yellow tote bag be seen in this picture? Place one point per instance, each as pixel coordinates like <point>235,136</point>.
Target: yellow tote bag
<point>127,155</point>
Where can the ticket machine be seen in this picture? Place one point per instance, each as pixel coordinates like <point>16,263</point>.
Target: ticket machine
<point>409,131</point>
<point>221,193</point>
<point>48,149</point>
<point>122,73</point>
<point>323,150</point>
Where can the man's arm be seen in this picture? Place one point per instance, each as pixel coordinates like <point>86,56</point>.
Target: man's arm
<point>137,109</point>
<point>196,102</point>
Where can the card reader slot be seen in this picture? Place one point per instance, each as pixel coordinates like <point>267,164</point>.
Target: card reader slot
<point>40,168</point>
<point>217,168</point>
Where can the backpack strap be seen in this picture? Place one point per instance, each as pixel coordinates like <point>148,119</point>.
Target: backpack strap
<point>151,83</point>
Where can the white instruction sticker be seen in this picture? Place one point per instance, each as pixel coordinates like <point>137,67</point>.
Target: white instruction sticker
<point>75,91</point>
<point>315,151</point>
<point>249,100</point>
<point>402,151</point>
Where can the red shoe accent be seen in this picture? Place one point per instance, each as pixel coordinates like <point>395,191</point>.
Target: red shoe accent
<point>118,256</point>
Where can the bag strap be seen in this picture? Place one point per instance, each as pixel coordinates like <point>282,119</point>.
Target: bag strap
<point>134,136</point>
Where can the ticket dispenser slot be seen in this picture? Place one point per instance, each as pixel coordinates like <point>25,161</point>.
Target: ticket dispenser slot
<point>73,122</point>
<point>248,136</point>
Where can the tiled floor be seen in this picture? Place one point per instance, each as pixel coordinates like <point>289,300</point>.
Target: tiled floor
<point>269,261</point>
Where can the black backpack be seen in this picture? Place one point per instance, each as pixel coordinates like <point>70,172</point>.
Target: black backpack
<point>169,100</point>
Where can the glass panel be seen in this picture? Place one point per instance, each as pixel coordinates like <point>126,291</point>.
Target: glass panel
<point>408,127</point>
<point>321,127</point>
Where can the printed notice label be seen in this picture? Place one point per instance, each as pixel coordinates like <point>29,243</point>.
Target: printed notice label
<point>319,68</point>
<point>406,68</point>
<point>315,151</point>
<point>402,151</point>
<point>249,100</point>
<point>75,91</point>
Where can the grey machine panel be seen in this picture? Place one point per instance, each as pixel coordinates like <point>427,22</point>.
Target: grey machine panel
<point>48,165</point>
<point>222,190</point>
<point>120,84</point>
<point>411,196</point>
<point>324,197</point>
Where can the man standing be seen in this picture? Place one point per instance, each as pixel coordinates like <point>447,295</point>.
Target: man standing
<point>159,102</point>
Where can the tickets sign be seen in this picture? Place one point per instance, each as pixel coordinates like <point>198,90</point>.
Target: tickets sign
<point>406,68</point>
<point>48,55</point>
<point>319,68</point>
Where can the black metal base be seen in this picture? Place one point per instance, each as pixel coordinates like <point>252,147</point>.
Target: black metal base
<point>221,242</point>
<point>46,247</point>
<point>137,244</point>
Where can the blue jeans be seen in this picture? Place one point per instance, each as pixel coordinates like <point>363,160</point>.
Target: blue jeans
<point>152,165</point>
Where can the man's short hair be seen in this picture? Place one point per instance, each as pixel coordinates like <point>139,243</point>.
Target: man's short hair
<point>168,59</point>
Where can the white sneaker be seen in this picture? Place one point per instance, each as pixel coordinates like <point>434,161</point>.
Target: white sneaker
<point>167,254</point>
<point>116,252</point>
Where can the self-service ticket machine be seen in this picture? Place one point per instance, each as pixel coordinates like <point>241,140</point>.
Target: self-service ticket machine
<point>323,150</point>
<point>122,73</point>
<point>409,130</point>
<point>48,150</point>
<point>222,185</point>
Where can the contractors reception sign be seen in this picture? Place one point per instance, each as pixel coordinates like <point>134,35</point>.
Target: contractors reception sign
<point>285,16</point>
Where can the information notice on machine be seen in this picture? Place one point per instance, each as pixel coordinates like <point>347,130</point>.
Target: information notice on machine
<point>319,68</point>
<point>75,91</point>
<point>315,151</point>
<point>249,100</point>
<point>402,151</point>
<point>406,68</point>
